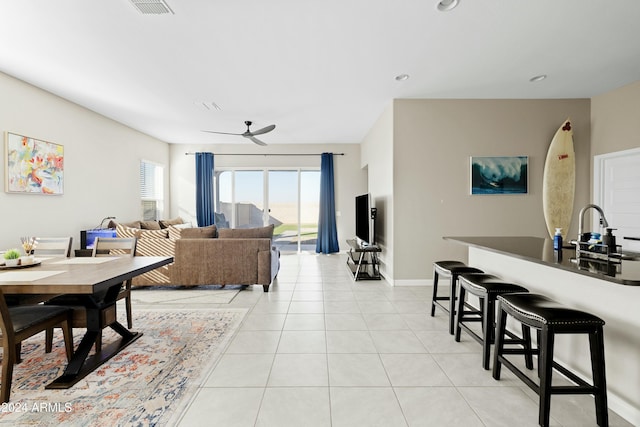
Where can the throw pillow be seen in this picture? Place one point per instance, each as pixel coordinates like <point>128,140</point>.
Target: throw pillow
<point>152,234</point>
<point>150,225</point>
<point>165,223</point>
<point>174,232</point>
<point>124,231</point>
<point>198,233</point>
<point>185,225</point>
<point>247,233</point>
<point>134,224</point>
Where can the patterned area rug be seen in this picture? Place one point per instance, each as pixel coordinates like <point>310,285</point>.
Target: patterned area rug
<point>171,294</point>
<point>149,383</point>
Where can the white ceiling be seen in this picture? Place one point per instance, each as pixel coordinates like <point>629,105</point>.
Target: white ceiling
<point>322,71</point>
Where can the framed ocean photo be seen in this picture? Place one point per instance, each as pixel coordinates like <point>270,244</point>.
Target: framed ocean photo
<point>499,175</point>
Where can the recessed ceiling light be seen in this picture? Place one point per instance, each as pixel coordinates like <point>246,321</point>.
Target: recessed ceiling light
<point>402,77</point>
<point>447,5</point>
<point>538,78</point>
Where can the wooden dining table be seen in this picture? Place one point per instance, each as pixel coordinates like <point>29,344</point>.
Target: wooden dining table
<point>97,282</point>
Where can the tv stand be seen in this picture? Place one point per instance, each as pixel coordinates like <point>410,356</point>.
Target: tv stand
<point>363,261</point>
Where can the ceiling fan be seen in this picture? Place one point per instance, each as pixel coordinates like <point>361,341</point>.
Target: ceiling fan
<point>248,133</point>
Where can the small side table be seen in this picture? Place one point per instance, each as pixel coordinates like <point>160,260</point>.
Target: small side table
<point>363,261</point>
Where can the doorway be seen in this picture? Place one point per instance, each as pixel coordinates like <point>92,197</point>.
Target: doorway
<point>287,198</point>
<point>617,190</point>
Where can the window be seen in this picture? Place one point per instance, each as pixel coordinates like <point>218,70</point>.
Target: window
<point>151,190</point>
<point>286,198</point>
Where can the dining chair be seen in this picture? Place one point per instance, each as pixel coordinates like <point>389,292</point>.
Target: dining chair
<point>103,246</point>
<point>53,246</point>
<point>114,246</point>
<point>21,322</point>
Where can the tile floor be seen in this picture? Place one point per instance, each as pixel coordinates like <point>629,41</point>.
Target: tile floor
<point>322,350</point>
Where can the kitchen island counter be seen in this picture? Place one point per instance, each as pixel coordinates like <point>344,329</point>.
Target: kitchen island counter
<point>540,250</point>
<point>589,286</point>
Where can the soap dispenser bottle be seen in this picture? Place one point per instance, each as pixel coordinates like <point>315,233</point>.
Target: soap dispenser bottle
<point>610,241</point>
<point>557,239</point>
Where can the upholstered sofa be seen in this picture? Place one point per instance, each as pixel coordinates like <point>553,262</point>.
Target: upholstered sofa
<point>204,255</point>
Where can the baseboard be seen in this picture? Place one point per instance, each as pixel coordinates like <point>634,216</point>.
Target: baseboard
<point>413,282</point>
<point>621,407</point>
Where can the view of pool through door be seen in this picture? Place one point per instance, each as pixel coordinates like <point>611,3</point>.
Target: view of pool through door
<point>287,198</point>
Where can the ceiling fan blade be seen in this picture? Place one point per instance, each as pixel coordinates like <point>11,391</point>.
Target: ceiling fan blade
<point>256,140</point>
<point>263,130</point>
<point>221,133</point>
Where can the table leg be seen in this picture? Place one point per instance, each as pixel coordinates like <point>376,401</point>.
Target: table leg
<point>81,364</point>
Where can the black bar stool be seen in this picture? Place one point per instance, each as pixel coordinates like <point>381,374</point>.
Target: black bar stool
<point>549,318</point>
<point>450,269</point>
<point>487,288</point>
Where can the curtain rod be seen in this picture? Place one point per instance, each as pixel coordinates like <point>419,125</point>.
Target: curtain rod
<point>189,153</point>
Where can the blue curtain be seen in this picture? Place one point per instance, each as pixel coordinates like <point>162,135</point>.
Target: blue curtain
<point>204,189</point>
<point>327,232</point>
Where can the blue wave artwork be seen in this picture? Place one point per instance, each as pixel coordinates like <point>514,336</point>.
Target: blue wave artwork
<point>499,175</point>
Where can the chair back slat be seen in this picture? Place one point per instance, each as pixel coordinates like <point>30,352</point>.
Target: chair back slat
<point>53,246</point>
<point>114,246</point>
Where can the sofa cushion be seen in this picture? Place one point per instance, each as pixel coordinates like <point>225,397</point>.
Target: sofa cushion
<point>165,223</point>
<point>246,233</point>
<point>150,225</point>
<point>152,234</point>
<point>192,233</point>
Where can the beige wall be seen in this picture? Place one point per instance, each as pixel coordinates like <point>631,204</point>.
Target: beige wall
<point>614,120</point>
<point>349,179</point>
<point>101,170</point>
<point>432,143</point>
<point>377,160</point>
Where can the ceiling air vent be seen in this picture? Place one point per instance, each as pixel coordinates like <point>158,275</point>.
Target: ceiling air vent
<point>152,7</point>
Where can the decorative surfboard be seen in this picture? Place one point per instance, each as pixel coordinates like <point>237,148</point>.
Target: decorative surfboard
<point>559,181</point>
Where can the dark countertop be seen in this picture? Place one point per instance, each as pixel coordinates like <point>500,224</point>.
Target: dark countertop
<point>540,250</point>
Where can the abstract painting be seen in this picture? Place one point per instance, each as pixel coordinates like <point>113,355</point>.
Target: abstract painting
<point>499,175</point>
<point>33,166</point>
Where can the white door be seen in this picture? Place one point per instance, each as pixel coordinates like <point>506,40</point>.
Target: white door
<point>617,191</point>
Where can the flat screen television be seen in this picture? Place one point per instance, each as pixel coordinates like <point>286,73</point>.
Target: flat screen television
<point>365,220</point>
<point>88,237</point>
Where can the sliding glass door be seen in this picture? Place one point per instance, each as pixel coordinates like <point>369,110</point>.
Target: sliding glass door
<point>286,198</point>
<point>249,199</point>
<point>309,209</point>
<point>283,208</point>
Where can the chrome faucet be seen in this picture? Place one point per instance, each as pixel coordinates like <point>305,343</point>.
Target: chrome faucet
<point>603,220</point>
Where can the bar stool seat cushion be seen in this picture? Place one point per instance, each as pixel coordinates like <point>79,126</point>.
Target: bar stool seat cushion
<point>480,284</point>
<point>540,310</point>
<point>446,267</point>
